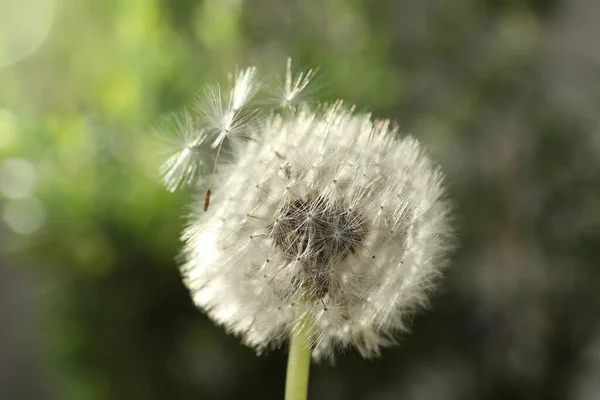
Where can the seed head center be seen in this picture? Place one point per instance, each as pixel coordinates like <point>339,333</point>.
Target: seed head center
<point>331,234</point>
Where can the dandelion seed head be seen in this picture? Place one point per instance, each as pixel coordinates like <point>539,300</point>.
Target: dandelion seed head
<point>326,214</point>
<point>321,214</point>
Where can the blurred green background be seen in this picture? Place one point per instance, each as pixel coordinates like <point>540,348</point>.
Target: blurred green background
<point>504,93</point>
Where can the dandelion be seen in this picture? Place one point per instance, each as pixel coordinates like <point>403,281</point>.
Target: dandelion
<point>327,230</point>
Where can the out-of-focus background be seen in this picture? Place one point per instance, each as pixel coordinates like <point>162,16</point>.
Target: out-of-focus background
<point>504,93</point>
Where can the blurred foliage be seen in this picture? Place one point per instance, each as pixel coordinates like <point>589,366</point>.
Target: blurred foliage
<point>515,316</point>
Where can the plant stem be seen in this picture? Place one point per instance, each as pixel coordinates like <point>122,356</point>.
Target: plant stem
<point>298,367</point>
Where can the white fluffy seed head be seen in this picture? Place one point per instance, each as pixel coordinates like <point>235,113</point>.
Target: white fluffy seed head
<point>325,216</point>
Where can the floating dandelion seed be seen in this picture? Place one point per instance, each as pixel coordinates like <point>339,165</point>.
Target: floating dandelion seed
<point>294,85</point>
<point>226,118</point>
<point>245,87</point>
<point>326,227</point>
<point>183,140</point>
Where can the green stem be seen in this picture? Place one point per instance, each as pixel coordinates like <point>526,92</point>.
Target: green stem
<point>298,367</point>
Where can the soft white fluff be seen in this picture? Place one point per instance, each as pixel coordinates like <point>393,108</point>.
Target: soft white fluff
<point>324,216</point>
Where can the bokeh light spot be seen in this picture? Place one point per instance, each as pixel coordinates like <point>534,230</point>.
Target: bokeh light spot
<point>24,25</point>
<point>17,178</point>
<point>24,216</point>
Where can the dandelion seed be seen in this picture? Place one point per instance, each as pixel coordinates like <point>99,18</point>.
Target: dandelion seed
<point>289,93</point>
<point>183,140</point>
<point>226,117</point>
<point>245,87</point>
<point>223,120</point>
<point>293,87</point>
